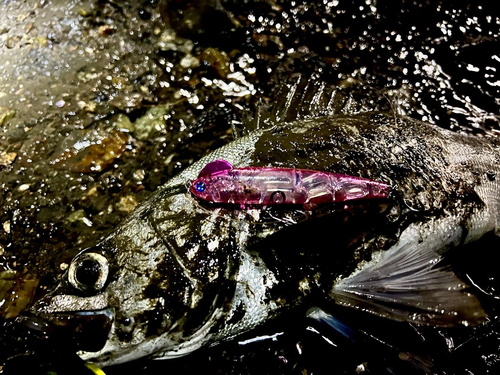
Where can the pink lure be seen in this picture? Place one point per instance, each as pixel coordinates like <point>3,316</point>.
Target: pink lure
<point>219,182</point>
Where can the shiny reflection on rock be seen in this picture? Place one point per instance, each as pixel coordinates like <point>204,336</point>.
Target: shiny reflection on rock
<point>88,151</point>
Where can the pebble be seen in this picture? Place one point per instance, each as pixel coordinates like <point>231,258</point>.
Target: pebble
<point>7,158</point>
<point>23,187</point>
<point>6,226</point>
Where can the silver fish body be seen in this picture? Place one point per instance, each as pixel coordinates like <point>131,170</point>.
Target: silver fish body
<point>180,274</point>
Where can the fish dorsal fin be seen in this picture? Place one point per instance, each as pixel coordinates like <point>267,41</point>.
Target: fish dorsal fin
<point>409,282</point>
<point>298,96</point>
<point>214,167</point>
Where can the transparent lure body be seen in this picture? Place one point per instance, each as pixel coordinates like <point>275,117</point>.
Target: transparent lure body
<point>220,183</point>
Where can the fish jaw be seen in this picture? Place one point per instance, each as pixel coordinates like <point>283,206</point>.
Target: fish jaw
<point>84,323</point>
<point>95,333</point>
<point>114,351</point>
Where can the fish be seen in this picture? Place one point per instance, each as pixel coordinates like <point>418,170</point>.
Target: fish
<point>219,182</point>
<point>179,275</point>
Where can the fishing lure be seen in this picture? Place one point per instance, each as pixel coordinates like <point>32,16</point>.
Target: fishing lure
<point>219,182</point>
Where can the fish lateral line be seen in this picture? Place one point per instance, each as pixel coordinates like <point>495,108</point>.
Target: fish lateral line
<point>220,183</point>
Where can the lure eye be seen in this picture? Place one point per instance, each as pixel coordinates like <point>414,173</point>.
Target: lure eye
<point>200,186</point>
<point>88,272</point>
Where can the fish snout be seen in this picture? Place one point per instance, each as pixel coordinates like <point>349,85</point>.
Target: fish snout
<point>83,330</point>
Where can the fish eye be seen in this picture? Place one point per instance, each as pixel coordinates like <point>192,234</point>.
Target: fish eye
<point>88,272</point>
<point>200,186</point>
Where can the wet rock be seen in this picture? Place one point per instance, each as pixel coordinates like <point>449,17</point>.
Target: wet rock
<point>123,123</point>
<point>189,61</point>
<point>6,282</point>
<point>87,106</point>
<point>84,11</point>
<point>89,150</point>
<point>168,41</point>
<point>201,19</point>
<point>7,158</point>
<point>79,216</point>
<point>23,187</point>
<point>120,83</point>
<point>6,226</point>
<point>127,101</point>
<point>12,41</point>
<point>151,123</point>
<point>105,30</point>
<point>42,41</point>
<point>5,115</point>
<point>271,43</point>
<point>217,61</point>
<point>139,175</point>
<point>16,292</point>
<point>127,203</point>
<point>75,216</point>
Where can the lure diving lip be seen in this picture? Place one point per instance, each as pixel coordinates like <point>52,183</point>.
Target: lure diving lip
<point>219,182</point>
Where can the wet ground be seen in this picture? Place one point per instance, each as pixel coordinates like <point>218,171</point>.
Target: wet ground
<point>102,102</point>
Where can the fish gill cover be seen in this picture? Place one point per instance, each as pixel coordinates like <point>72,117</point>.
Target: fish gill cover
<point>102,102</point>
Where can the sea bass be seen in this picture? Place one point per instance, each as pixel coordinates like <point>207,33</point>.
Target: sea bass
<point>180,274</point>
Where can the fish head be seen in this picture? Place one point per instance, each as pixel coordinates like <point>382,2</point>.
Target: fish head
<point>158,284</point>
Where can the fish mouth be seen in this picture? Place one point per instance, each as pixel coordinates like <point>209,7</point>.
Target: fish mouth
<point>80,330</point>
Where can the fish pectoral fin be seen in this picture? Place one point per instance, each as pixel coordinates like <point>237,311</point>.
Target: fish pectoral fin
<point>409,283</point>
